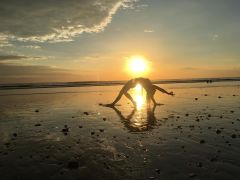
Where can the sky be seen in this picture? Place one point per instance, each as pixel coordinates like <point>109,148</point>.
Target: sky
<point>93,40</point>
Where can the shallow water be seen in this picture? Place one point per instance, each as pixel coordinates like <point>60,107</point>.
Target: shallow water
<point>184,138</point>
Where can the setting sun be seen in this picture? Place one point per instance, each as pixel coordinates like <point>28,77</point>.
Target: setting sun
<point>138,64</point>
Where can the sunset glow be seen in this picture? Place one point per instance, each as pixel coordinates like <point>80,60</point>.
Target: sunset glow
<point>137,65</point>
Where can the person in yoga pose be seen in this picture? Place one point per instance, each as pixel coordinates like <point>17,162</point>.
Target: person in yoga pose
<point>146,84</point>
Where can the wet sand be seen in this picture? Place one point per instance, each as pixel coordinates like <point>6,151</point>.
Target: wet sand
<point>65,133</point>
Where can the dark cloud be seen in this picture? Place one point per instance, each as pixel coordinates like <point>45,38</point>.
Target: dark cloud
<point>23,70</point>
<point>7,58</point>
<point>11,57</point>
<point>12,73</point>
<point>55,20</point>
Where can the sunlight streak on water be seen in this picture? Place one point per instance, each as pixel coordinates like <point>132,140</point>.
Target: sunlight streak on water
<point>139,96</point>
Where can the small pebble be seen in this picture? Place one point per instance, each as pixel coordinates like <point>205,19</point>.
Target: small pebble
<point>86,113</point>
<point>65,130</point>
<point>202,141</point>
<point>234,136</point>
<point>73,165</point>
<point>213,159</point>
<point>199,164</point>
<point>36,110</point>
<point>218,131</point>
<point>38,124</point>
<point>191,175</point>
<point>157,171</point>
<point>7,144</point>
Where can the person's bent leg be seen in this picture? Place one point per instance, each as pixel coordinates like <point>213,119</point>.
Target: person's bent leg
<point>130,98</point>
<point>154,102</point>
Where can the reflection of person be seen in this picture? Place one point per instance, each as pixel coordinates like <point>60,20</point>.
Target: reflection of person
<point>146,126</point>
<point>146,84</point>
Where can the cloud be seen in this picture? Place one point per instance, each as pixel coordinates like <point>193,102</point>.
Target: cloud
<point>4,42</point>
<point>215,37</point>
<point>55,20</point>
<point>15,73</point>
<point>11,57</point>
<point>10,73</point>
<point>32,46</point>
<point>23,70</point>
<point>148,31</point>
<point>21,58</point>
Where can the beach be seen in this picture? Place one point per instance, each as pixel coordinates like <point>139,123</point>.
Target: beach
<point>66,133</point>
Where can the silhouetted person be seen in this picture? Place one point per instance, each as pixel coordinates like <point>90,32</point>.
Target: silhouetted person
<point>146,84</point>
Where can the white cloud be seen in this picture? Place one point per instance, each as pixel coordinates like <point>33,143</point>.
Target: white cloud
<point>32,46</point>
<point>215,37</point>
<point>4,40</point>
<point>55,20</point>
<point>148,31</point>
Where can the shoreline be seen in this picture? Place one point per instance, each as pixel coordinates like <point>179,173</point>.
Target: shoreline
<point>109,83</point>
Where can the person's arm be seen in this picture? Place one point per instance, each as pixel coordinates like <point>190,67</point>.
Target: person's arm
<point>163,90</point>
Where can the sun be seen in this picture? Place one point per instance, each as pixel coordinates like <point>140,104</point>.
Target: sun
<point>137,64</point>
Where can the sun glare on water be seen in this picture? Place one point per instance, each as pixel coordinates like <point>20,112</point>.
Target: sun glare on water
<point>139,96</point>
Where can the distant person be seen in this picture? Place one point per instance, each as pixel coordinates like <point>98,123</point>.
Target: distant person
<point>146,84</point>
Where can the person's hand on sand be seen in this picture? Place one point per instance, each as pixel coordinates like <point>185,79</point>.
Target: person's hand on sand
<point>109,105</point>
<point>158,104</point>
